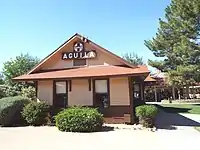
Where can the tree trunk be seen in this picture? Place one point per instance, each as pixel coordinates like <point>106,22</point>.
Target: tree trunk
<point>155,94</point>
<point>179,94</point>
<point>187,92</point>
<point>173,93</point>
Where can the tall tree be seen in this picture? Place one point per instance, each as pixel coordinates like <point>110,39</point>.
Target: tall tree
<point>177,42</point>
<point>18,66</point>
<point>1,79</point>
<point>133,58</point>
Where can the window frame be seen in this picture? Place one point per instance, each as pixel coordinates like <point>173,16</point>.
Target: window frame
<point>86,62</point>
<point>95,93</point>
<point>137,91</point>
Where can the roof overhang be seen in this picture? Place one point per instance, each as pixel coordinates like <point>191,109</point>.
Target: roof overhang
<point>149,79</point>
<point>86,72</point>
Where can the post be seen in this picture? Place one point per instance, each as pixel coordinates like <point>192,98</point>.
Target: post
<point>132,107</point>
<point>155,94</point>
<point>173,93</point>
<point>36,88</point>
<point>142,91</point>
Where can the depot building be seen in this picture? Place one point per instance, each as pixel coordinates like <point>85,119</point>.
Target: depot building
<point>82,73</point>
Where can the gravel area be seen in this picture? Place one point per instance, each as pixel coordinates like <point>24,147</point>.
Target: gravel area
<point>122,137</point>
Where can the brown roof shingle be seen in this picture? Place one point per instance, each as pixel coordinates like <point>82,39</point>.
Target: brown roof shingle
<point>149,79</point>
<point>94,71</point>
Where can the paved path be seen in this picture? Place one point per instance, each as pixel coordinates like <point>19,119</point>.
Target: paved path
<point>49,138</point>
<point>175,132</point>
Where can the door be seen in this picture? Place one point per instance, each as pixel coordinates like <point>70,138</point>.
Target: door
<point>60,94</point>
<point>101,94</point>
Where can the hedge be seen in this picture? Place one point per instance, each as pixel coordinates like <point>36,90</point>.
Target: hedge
<point>146,114</point>
<point>79,119</point>
<point>10,110</point>
<point>36,113</point>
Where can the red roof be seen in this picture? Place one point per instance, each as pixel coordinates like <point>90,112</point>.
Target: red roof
<point>89,41</point>
<point>149,79</point>
<point>92,71</point>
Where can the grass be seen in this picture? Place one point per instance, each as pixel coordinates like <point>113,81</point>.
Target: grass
<point>197,128</point>
<point>181,108</point>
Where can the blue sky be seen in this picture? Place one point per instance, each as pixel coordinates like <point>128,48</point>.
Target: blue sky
<point>38,27</point>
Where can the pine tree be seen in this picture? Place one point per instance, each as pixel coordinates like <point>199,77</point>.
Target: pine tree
<point>177,42</point>
<point>133,58</point>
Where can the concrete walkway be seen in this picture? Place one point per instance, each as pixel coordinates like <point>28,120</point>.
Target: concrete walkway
<point>49,138</point>
<point>175,132</point>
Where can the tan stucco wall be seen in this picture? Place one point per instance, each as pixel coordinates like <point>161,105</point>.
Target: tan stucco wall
<point>119,91</point>
<point>45,91</point>
<point>56,62</point>
<point>80,94</point>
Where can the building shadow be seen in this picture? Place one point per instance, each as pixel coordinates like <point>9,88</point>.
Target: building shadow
<point>197,104</point>
<point>107,129</point>
<point>173,109</point>
<point>170,121</point>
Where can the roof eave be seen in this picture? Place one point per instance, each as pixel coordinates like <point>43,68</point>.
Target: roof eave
<point>84,77</point>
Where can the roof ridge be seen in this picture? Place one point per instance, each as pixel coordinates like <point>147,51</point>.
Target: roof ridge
<point>90,42</point>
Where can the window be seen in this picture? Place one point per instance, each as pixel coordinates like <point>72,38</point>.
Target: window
<point>79,62</point>
<point>60,87</point>
<point>101,86</point>
<point>101,93</point>
<point>136,91</point>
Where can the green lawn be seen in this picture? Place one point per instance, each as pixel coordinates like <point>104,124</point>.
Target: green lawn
<point>197,128</point>
<point>181,108</point>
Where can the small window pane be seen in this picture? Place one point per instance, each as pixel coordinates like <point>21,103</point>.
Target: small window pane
<point>136,87</point>
<point>79,62</point>
<point>60,87</point>
<point>101,86</point>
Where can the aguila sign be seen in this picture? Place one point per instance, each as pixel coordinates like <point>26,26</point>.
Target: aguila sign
<point>79,53</point>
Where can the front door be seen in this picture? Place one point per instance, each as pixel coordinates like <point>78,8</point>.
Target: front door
<point>101,94</point>
<point>60,94</point>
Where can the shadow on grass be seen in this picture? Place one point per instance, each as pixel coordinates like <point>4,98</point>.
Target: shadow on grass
<point>173,109</point>
<point>170,121</point>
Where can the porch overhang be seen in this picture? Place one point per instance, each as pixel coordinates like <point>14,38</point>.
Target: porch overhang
<point>86,72</point>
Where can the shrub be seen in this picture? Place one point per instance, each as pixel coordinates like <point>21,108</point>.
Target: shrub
<point>8,91</point>
<point>79,119</point>
<point>36,113</point>
<point>29,92</point>
<point>146,114</point>
<point>10,110</point>
<point>2,91</point>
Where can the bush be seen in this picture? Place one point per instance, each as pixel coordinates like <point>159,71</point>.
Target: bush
<point>29,92</point>
<point>36,113</point>
<point>146,114</point>
<point>79,119</point>
<point>10,110</point>
<point>8,91</point>
<point>3,91</point>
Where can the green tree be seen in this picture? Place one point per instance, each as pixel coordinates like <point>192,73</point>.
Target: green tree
<point>1,79</point>
<point>16,67</point>
<point>133,58</point>
<point>177,42</point>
